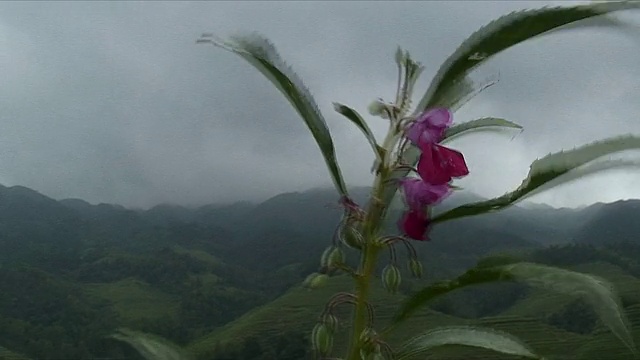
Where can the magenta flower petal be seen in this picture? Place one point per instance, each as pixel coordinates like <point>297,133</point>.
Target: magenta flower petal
<point>430,167</point>
<point>438,164</point>
<point>429,127</point>
<point>432,135</point>
<point>436,117</point>
<point>414,224</point>
<point>419,194</point>
<point>414,132</point>
<point>453,161</point>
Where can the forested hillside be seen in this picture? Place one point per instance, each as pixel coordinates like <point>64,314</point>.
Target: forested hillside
<point>71,272</point>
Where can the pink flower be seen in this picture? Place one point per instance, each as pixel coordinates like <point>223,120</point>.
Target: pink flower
<point>429,127</point>
<point>436,167</point>
<point>414,224</point>
<point>419,194</point>
<point>439,164</point>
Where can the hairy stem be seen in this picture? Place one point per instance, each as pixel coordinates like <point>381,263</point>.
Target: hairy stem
<point>363,284</point>
<point>369,257</point>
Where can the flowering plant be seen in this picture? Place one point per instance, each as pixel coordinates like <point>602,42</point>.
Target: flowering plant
<point>414,145</point>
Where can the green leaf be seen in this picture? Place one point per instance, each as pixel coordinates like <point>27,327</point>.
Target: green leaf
<point>486,123</point>
<point>467,336</point>
<point>461,91</point>
<point>260,53</point>
<point>353,115</point>
<point>474,276</point>
<point>508,31</point>
<point>596,291</point>
<point>456,94</point>
<point>411,70</point>
<point>584,171</point>
<point>551,170</point>
<point>151,347</point>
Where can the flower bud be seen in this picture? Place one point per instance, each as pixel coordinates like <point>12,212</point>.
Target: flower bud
<point>321,339</point>
<point>367,335</point>
<point>335,257</point>
<point>324,259</point>
<point>315,280</point>
<point>377,108</point>
<point>351,236</point>
<point>368,346</point>
<point>415,267</point>
<point>391,278</point>
<point>331,322</point>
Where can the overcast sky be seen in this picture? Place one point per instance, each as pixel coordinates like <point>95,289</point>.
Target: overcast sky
<point>114,102</point>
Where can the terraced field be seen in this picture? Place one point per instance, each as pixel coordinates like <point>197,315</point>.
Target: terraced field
<point>6,354</point>
<point>298,309</point>
<point>134,300</point>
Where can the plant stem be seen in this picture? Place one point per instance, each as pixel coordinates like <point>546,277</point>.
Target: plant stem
<point>363,282</point>
<point>369,255</point>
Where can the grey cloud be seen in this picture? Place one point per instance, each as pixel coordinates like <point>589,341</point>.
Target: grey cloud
<point>114,102</point>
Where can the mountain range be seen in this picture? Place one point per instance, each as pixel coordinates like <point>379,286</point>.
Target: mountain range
<point>72,272</point>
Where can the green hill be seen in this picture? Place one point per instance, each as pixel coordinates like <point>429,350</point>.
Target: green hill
<point>528,318</point>
<point>134,300</point>
<point>6,354</point>
<point>72,272</point>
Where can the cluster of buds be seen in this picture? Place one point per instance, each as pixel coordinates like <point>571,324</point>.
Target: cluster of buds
<point>391,276</point>
<point>346,234</point>
<point>324,331</point>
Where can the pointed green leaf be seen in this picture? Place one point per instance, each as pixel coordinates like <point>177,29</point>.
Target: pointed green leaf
<point>596,291</point>
<point>486,123</point>
<point>584,171</point>
<point>456,95</point>
<point>474,276</point>
<point>467,336</point>
<point>461,91</point>
<point>508,31</point>
<point>353,115</point>
<point>151,347</point>
<point>552,169</point>
<point>260,53</point>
